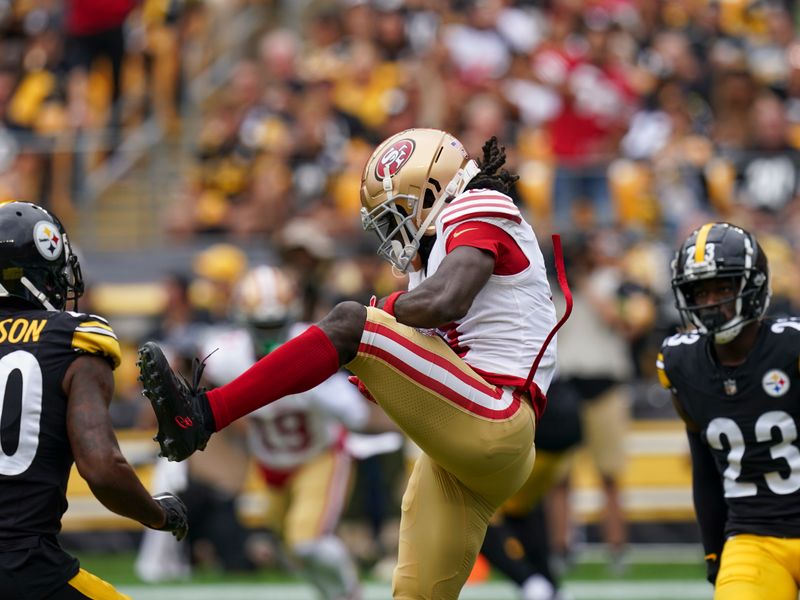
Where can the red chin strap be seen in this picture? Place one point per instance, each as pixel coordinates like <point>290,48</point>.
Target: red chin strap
<point>561,273</point>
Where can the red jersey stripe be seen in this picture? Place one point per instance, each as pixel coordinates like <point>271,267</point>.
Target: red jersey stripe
<point>481,203</point>
<point>452,220</point>
<point>466,198</point>
<point>500,213</point>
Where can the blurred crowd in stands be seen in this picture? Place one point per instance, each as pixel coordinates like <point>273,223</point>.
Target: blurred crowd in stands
<point>629,122</point>
<point>642,119</point>
<point>76,75</point>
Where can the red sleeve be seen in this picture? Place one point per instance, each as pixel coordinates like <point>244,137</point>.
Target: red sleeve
<point>509,257</point>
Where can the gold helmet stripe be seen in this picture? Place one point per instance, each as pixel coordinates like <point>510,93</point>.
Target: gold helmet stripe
<point>700,244</point>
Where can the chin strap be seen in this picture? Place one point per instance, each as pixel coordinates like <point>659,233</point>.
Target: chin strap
<point>561,273</point>
<point>454,187</point>
<point>730,333</point>
<point>36,293</point>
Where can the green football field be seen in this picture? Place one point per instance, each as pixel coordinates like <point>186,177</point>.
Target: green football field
<point>653,573</point>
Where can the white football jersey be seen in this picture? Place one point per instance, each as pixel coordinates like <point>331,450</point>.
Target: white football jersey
<point>505,327</point>
<point>290,431</point>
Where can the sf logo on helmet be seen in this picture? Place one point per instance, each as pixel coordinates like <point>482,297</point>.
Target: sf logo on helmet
<point>394,157</point>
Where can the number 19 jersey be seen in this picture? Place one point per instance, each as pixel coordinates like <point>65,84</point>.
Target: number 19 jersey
<point>36,348</point>
<point>748,415</point>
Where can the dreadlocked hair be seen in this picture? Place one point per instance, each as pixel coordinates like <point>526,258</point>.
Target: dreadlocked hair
<point>494,157</point>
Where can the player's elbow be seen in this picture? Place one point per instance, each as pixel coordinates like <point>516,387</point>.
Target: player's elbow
<point>448,308</point>
<point>100,470</point>
<point>430,308</point>
<point>434,313</point>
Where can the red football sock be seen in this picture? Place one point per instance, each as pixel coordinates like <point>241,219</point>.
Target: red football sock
<point>298,365</point>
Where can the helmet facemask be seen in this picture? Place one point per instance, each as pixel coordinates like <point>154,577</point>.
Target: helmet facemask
<point>71,278</point>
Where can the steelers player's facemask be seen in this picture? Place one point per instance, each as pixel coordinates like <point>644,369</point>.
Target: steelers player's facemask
<point>712,301</point>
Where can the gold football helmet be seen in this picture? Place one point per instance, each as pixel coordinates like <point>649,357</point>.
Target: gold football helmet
<point>266,302</point>
<point>405,185</point>
<point>265,297</point>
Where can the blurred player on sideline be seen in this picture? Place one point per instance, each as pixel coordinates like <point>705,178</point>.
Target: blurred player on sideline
<point>56,376</point>
<point>735,383</point>
<point>298,443</point>
<point>449,361</point>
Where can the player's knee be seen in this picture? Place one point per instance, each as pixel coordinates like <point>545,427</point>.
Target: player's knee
<point>405,588</point>
<point>344,325</point>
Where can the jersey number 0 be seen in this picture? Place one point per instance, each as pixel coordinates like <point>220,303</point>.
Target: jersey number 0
<point>21,386</point>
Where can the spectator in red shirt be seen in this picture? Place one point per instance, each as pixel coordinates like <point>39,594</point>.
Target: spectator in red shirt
<point>596,101</point>
<point>94,28</point>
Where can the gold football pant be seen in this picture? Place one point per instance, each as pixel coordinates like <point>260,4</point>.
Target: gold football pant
<point>550,468</point>
<point>758,567</point>
<point>477,440</point>
<point>86,585</point>
<point>309,506</point>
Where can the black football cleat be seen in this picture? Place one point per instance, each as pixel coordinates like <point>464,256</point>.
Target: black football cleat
<point>177,404</point>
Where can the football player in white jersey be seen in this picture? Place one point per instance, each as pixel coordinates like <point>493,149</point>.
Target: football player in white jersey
<point>450,360</point>
<point>298,443</point>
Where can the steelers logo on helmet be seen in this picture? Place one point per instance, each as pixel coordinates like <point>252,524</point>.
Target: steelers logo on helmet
<point>393,158</point>
<point>48,240</point>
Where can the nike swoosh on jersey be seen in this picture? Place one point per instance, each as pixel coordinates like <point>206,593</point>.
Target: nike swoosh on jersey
<point>458,233</point>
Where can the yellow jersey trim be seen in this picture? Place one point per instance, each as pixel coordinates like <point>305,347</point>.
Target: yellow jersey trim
<point>94,342</point>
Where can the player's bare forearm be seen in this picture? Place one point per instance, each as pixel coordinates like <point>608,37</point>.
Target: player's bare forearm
<point>89,385</point>
<point>447,295</point>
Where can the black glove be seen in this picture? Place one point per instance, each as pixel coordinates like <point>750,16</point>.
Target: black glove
<point>175,518</point>
<point>712,567</point>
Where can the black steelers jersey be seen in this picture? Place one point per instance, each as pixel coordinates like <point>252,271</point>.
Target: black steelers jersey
<point>748,416</point>
<point>36,348</point>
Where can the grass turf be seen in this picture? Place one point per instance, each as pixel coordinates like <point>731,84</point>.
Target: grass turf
<point>118,570</point>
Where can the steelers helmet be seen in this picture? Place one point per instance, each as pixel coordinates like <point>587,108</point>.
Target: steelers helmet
<point>265,301</point>
<point>717,251</point>
<point>405,185</point>
<point>36,260</point>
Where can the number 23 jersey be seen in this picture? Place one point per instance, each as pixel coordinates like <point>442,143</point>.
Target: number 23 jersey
<point>748,416</point>
<point>36,348</point>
